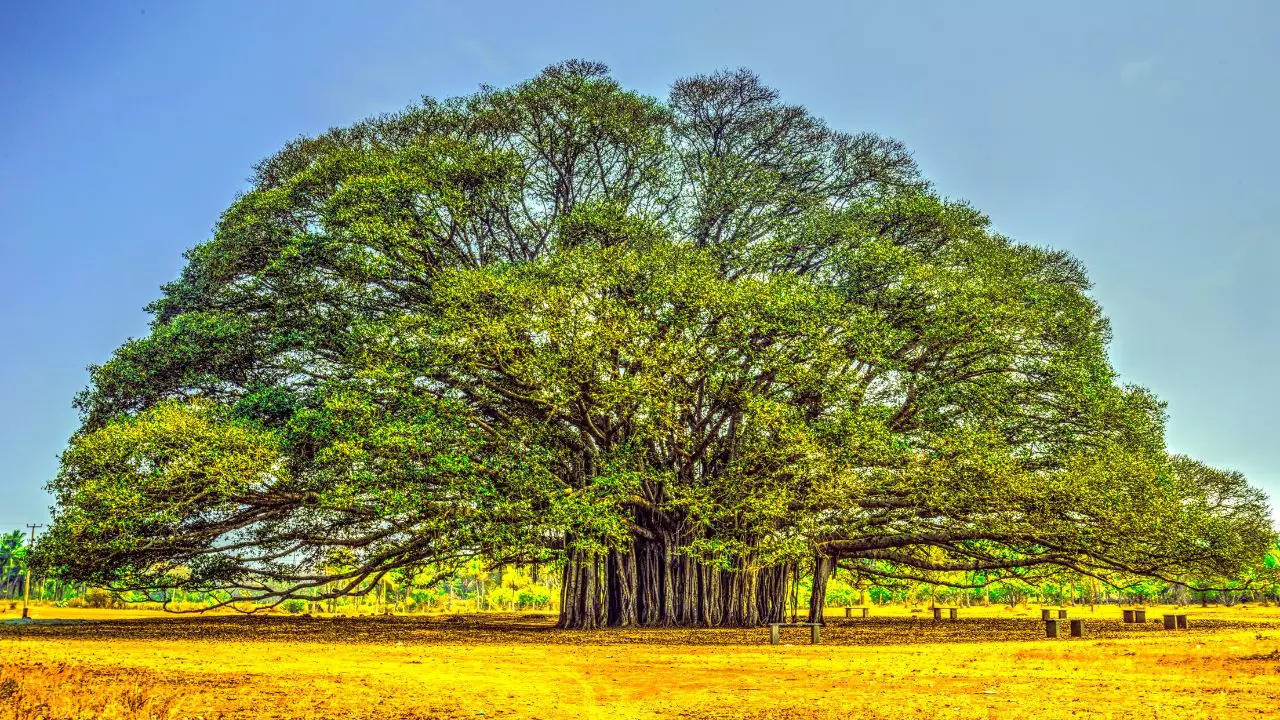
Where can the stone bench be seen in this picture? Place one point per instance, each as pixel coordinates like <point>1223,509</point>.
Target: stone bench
<point>774,631</point>
<point>1048,613</point>
<point>952,613</point>
<point>1051,626</point>
<point>848,611</point>
<point>1175,621</point>
<point>1135,616</point>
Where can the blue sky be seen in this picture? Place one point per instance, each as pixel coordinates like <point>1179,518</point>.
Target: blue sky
<point>1142,138</point>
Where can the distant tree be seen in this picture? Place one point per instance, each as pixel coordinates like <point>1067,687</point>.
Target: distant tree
<point>12,563</point>
<point>1271,577</point>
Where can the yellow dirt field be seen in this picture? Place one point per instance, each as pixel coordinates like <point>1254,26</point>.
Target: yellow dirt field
<point>992,663</point>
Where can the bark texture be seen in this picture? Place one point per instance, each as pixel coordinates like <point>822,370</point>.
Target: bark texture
<point>823,566</point>
<point>651,583</point>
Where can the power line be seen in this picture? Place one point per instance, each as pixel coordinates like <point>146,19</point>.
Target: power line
<point>26,592</point>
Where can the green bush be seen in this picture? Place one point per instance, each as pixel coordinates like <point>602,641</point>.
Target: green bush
<point>420,600</point>
<point>98,598</point>
<point>841,594</point>
<point>294,606</point>
<point>879,595</point>
<point>533,597</point>
<point>500,598</point>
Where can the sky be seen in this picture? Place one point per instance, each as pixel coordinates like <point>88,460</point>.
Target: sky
<point>1140,136</point>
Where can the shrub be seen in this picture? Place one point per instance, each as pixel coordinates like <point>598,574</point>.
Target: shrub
<point>880,596</point>
<point>422,600</point>
<point>98,598</point>
<point>533,597</point>
<point>294,606</point>
<point>501,598</point>
<point>840,593</point>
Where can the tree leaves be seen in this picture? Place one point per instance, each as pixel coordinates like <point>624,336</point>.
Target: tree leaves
<point>564,319</point>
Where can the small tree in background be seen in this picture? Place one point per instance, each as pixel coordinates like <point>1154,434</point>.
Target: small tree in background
<point>13,558</point>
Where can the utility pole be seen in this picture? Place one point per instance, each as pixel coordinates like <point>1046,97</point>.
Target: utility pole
<point>26,592</point>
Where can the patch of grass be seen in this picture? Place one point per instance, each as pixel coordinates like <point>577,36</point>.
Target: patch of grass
<point>36,691</point>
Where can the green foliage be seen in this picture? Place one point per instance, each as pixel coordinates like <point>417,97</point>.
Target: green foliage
<point>13,556</point>
<point>99,598</point>
<point>842,594</point>
<point>558,320</point>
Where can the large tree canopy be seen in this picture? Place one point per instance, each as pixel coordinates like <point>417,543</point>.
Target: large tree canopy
<point>677,348</point>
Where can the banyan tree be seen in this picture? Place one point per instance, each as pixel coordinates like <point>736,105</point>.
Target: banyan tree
<point>683,350</point>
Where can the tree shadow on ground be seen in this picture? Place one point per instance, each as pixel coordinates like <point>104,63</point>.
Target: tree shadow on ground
<point>540,630</point>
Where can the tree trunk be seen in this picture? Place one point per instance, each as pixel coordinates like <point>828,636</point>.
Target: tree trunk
<point>823,566</point>
<point>654,582</point>
<point>582,604</point>
<point>621,581</point>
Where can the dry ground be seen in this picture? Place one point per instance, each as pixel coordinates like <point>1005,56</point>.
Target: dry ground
<point>992,663</point>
